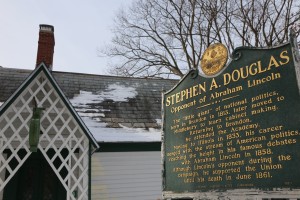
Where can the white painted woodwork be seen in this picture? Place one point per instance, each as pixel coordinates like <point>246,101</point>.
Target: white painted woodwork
<point>60,131</point>
<point>2,175</point>
<point>126,175</point>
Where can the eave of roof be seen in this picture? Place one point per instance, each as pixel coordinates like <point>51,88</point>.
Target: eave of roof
<point>27,81</point>
<point>110,117</point>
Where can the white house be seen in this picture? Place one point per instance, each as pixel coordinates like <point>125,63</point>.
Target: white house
<point>78,136</point>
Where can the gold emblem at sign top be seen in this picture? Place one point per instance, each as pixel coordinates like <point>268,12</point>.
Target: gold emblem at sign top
<point>214,59</point>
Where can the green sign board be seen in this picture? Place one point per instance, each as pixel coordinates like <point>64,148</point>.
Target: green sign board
<point>237,130</point>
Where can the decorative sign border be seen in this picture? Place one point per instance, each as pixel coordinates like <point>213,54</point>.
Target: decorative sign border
<point>237,130</point>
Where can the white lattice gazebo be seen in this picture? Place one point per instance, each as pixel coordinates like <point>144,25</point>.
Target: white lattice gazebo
<point>64,142</point>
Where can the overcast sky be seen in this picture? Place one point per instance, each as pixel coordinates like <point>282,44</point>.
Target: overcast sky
<point>80,28</point>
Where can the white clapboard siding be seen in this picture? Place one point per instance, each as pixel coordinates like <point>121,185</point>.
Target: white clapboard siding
<point>126,175</point>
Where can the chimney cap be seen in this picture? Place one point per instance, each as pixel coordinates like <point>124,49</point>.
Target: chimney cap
<point>46,27</point>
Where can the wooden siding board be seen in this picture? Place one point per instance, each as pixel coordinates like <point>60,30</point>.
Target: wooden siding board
<point>126,175</point>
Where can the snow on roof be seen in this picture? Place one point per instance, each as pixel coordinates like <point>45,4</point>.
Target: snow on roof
<point>114,92</point>
<point>124,134</point>
<point>88,106</point>
<point>113,108</point>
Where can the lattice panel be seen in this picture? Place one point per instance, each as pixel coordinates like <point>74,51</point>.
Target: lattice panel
<point>62,142</point>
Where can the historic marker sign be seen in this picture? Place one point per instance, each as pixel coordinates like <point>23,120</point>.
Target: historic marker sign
<point>237,130</point>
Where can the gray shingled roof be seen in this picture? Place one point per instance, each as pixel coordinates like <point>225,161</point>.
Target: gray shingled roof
<point>113,108</point>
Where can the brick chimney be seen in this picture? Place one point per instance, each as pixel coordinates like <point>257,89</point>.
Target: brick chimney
<point>46,46</point>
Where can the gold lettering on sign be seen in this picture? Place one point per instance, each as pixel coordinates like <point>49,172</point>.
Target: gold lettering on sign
<point>220,130</point>
<point>236,75</point>
<point>256,68</point>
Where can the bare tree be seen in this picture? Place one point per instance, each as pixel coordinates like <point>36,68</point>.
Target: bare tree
<point>264,23</point>
<point>158,38</point>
